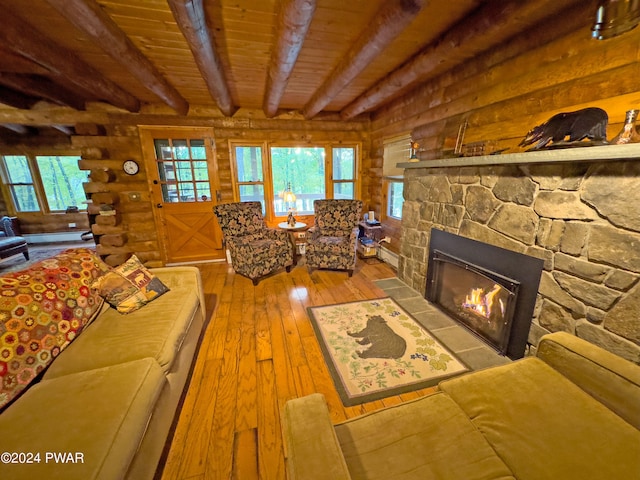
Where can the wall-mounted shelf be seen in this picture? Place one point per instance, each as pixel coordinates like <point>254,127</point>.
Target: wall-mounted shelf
<point>577,154</point>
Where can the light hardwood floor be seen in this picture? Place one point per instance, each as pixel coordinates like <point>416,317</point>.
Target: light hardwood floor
<point>259,351</point>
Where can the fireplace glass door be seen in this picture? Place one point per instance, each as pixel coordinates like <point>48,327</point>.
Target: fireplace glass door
<point>481,300</point>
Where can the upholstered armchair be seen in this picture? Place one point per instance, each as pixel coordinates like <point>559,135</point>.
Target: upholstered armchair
<point>255,249</point>
<point>332,241</point>
<point>11,243</point>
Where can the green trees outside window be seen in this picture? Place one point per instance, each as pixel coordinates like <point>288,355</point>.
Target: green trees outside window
<point>262,172</point>
<point>249,174</point>
<point>302,168</point>
<point>183,171</point>
<point>62,181</point>
<point>44,183</point>
<point>344,172</point>
<point>20,182</point>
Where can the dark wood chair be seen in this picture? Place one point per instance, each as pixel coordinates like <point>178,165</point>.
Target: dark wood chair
<point>10,242</point>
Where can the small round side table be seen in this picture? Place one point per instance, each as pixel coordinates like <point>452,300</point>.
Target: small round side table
<point>298,247</point>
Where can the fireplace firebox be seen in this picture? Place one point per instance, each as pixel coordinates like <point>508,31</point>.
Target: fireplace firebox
<point>489,290</point>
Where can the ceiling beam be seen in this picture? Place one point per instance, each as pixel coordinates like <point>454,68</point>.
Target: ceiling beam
<point>387,24</point>
<point>22,38</point>
<point>14,63</point>
<point>88,17</point>
<point>35,86</point>
<point>8,96</point>
<point>66,129</point>
<point>190,16</point>
<point>14,127</point>
<point>489,25</point>
<point>293,23</point>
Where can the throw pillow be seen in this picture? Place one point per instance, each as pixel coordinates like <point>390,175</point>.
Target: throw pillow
<point>129,286</point>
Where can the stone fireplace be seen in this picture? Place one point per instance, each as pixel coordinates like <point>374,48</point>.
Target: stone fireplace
<point>581,218</point>
<point>488,290</point>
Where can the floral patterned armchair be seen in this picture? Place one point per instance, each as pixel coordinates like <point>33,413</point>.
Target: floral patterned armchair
<point>255,249</point>
<point>332,241</point>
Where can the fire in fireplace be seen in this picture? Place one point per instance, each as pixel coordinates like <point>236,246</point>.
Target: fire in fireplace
<point>483,302</point>
<point>489,290</point>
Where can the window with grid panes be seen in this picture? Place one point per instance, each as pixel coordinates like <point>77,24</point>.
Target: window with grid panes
<point>182,168</point>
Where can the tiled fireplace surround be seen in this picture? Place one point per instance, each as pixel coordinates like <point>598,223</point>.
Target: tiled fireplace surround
<point>581,218</point>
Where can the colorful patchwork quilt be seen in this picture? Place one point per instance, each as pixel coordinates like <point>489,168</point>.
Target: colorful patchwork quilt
<point>42,309</point>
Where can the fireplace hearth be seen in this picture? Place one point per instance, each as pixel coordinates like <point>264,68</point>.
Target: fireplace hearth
<point>488,290</point>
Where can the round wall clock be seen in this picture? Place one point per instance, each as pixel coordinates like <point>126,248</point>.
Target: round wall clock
<point>131,167</point>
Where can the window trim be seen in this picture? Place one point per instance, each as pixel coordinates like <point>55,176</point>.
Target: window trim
<point>266,171</point>
<point>266,146</point>
<point>177,182</point>
<point>356,164</point>
<point>36,177</point>
<point>388,182</point>
<point>8,185</point>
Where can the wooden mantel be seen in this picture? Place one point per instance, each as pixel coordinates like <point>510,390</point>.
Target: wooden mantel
<point>578,154</point>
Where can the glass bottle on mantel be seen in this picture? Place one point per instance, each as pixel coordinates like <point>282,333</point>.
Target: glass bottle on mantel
<point>628,134</point>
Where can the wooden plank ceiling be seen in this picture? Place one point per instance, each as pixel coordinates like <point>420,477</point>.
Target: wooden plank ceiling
<point>316,57</point>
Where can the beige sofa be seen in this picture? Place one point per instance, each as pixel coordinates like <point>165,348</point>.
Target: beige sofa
<point>571,412</point>
<point>105,406</point>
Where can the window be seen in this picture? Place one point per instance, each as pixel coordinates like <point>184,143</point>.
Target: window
<point>311,172</point>
<point>302,170</point>
<point>62,181</point>
<point>249,173</point>
<point>20,182</point>
<point>183,171</point>
<point>395,199</point>
<point>396,150</point>
<point>44,183</point>
<point>344,172</point>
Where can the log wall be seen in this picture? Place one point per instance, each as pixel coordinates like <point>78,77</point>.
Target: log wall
<point>137,217</point>
<point>499,96</point>
<point>45,142</point>
<point>105,147</point>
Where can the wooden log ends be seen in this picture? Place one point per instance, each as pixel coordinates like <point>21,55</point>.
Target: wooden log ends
<point>94,153</point>
<point>108,220</point>
<point>93,209</point>
<point>104,175</point>
<point>113,240</point>
<point>106,198</point>
<point>90,129</point>
<point>116,259</point>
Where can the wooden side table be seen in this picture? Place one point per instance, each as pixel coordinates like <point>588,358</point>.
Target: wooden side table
<point>371,230</point>
<point>298,237</point>
<point>370,235</point>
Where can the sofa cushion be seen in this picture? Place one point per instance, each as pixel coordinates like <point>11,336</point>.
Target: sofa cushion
<point>129,286</point>
<point>429,438</point>
<point>543,426</point>
<point>155,331</point>
<point>42,309</point>
<point>99,416</point>
<point>311,447</point>
<point>610,379</point>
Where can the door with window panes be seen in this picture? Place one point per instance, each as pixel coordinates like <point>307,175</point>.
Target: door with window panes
<point>182,172</point>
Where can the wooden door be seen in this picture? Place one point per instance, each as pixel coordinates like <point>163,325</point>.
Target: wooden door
<point>182,174</point>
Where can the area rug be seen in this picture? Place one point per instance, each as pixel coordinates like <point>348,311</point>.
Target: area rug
<point>374,349</point>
